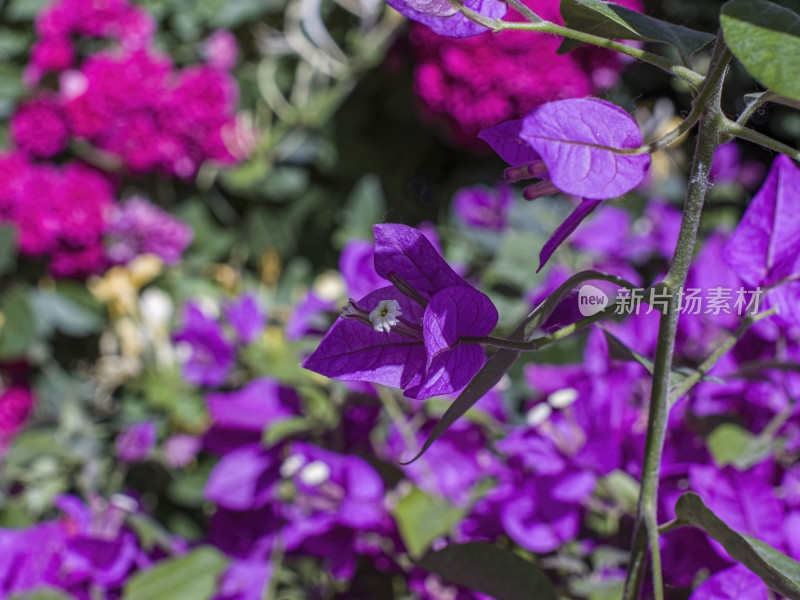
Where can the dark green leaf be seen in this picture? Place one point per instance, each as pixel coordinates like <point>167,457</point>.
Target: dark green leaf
<point>765,37</point>
<point>619,351</point>
<point>485,568</point>
<point>55,311</point>
<point>18,327</point>
<point>611,21</point>
<point>24,10</point>
<point>422,518</point>
<point>778,571</point>
<point>8,245</point>
<point>189,577</point>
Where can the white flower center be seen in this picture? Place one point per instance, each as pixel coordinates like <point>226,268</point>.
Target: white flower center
<point>292,465</point>
<point>538,414</point>
<point>384,317</point>
<point>315,473</point>
<point>562,398</point>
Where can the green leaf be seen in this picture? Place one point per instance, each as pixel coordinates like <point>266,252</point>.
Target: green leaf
<point>765,37</point>
<point>54,311</point>
<point>281,430</point>
<point>25,10</point>
<point>623,488</point>
<point>619,351</point>
<point>611,21</point>
<point>778,571</point>
<point>485,568</point>
<point>730,444</point>
<point>189,577</point>
<point>18,327</point>
<point>8,248</point>
<point>365,206</point>
<point>422,518</point>
<point>43,594</point>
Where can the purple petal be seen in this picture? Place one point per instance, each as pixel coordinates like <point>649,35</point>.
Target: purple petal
<point>744,500</point>
<point>766,244</point>
<point>242,479</point>
<point>735,583</point>
<point>246,317</point>
<point>504,138</point>
<point>257,405</point>
<point>453,313</point>
<point>357,267</point>
<point>565,229</point>
<point>352,351</point>
<point>455,25</point>
<point>407,253</point>
<point>136,442</point>
<point>561,132</point>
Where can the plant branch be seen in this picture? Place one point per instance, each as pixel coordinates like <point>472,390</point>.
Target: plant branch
<point>646,527</point>
<point>701,371</point>
<point>536,24</point>
<point>737,130</point>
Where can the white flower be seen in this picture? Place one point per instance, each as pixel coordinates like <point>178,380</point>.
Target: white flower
<point>562,398</point>
<point>315,473</point>
<point>384,317</point>
<point>538,414</point>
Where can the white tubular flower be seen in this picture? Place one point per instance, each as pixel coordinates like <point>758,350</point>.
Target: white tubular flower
<point>538,414</point>
<point>562,398</point>
<point>315,473</point>
<point>384,317</point>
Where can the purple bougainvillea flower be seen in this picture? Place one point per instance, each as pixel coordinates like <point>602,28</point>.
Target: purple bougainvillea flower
<point>483,208</point>
<point>246,317</point>
<point>211,355</point>
<point>445,19</point>
<point>356,265</point>
<point>256,406</point>
<point>136,442</point>
<point>764,250</point>
<point>409,336</point>
<point>181,449</point>
<point>565,135</point>
<point>559,142</point>
<point>244,580</point>
<point>743,499</point>
<point>735,583</point>
<point>244,479</point>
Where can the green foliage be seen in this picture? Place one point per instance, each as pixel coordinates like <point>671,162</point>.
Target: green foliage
<point>730,444</point>
<point>189,577</point>
<point>422,518</point>
<point>18,328</point>
<point>612,21</point>
<point>765,37</point>
<point>778,571</point>
<point>491,570</point>
<point>8,248</point>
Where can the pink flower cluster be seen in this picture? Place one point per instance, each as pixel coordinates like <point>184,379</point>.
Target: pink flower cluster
<point>59,212</point>
<point>475,82</point>
<point>56,25</point>
<point>130,100</point>
<point>16,404</point>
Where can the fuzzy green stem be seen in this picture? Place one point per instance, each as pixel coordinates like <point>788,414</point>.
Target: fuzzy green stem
<point>751,135</point>
<point>646,526</point>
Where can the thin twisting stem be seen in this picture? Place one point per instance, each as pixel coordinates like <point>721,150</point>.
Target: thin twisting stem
<point>735,129</point>
<point>691,77</point>
<point>646,527</point>
<point>687,384</point>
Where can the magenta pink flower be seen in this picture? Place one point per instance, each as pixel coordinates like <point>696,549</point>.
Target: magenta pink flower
<point>16,405</point>
<point>39,129</point>
<point>472,83</point>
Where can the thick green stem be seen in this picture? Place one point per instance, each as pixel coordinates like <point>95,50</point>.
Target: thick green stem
<point>646,527</point>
